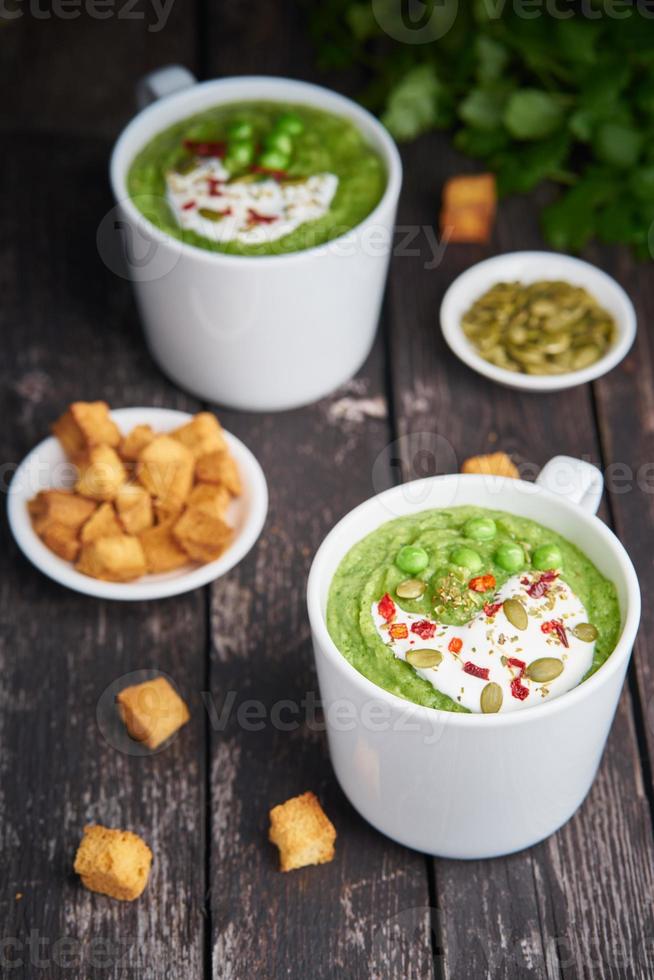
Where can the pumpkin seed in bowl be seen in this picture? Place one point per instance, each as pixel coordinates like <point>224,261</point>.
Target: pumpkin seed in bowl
<point>544,327</point>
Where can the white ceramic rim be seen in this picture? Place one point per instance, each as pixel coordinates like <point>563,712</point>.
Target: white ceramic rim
<point>119,164</point>
<point>612,665</point>
<point>580,272</point>
<point>150,586</point>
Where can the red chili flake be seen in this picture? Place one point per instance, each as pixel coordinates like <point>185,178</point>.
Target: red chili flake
<point>540,588</point>
<point>455,645</point>
<point>260,219</point>
<point>476,671</point>
<point>424,629</point>
<point>399,631</point>
<point>188,205</point>
<point>520,664</point>
<point>208,148</point>
<point>518,689</point>
<point>482,583</point>
<point>215,186</point>
<point>556,626</point>
<point>492,607</point>
<point>386,608</point>
<point>275,174</point>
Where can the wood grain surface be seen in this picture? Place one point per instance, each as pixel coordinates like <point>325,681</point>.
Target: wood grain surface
<point>579,905</point>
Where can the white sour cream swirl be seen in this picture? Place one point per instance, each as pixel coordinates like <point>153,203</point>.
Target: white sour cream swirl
<point>251,213</point>
<point>489,641</point>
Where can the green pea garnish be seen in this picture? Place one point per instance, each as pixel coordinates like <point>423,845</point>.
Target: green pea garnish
<point>240,130</point>
<point>480,528</point>
<point>274,160</point>
<point>546,557</point>
<point>289,123</point>
<point>412,559</point>
<point>510,557</point>
<point>466,558</point>
<point>279,141</point>
<point>240,153</point>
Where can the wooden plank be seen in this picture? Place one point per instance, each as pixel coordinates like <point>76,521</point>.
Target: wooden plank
<point>334,921</point>
<point>75,72</point>
<point>513,917</point>
<point>625,408</point>
<point>69,332</point>
<point>339,920</point>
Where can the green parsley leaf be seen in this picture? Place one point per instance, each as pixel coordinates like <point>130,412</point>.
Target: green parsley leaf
<point>617,144</point>
<point>413,106</point>
<point>532,114</point>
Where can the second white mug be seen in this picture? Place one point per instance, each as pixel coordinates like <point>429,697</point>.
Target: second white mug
<point>265,332</point>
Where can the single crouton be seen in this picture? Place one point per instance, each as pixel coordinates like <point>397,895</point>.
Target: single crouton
<point>134,506</point>
<point>113,862</point>
<point>472,190</point>
<point>85,425</point>
<point>493,464</point>
<point>469,205</point>
<point>302,832</point>
<point>152,711</point>
<point>219,467</point>
<point>114,559</point>
<point>202,435</point>
<point>101,475</point>
<point>62,540</point>
<point>162,553</point>
<point>165,468</point>
<point>203,537</point>
<point>211,498</point>
<point>167,513</point>
<point>469,225</point>
<point>103,524</point>
<point>135,442</point>
<point>59,507</point>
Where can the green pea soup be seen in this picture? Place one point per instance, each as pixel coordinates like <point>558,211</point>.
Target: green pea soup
<point>260,136</point>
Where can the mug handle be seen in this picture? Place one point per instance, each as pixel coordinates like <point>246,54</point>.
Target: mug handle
<point>575,479</point>
<point>164,81</point>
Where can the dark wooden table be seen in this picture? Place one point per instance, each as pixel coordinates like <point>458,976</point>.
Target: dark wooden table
<point>580,904</point>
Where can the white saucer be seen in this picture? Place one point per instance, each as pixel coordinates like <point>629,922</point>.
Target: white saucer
<point>530,267</point>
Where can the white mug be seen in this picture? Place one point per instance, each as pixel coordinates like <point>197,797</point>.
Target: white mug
<point>473,785</point>
<point>254,332</point>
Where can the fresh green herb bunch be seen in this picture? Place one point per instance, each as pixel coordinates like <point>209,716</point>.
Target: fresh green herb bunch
<point>566,97</point>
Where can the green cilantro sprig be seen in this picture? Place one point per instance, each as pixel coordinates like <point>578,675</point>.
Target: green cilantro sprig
<point>566,98</point>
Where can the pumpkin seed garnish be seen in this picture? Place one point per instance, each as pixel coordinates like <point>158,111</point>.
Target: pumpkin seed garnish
<point>544,669</point>
<point>491,698</point>
<point>540,328</point>
<point>424,658</point>
<point>211,215</point>
<point>516,613</point>
<point>185,165</point>
<point>586,632</point>
<point>411,588</point>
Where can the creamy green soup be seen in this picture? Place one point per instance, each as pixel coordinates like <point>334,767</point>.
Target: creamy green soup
<point>430,591</point>
<point>257,178</point>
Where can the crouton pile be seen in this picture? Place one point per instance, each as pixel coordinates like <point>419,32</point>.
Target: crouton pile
<point>145,502</point>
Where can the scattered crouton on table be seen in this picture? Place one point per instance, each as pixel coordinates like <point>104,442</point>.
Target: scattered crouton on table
<point>302,832</point>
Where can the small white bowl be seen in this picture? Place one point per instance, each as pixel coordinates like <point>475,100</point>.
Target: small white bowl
<point>46,466</point>
<point>529,267</point>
